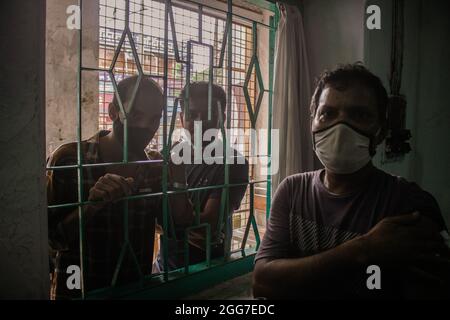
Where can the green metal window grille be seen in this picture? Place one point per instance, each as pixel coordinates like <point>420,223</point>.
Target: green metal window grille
<point>174,43</point>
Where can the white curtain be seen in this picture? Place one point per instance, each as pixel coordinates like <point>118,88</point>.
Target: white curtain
<point>292,94</point>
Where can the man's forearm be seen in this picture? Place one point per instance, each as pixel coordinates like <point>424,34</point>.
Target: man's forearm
<point>309,275</point>
<point>70,225</point>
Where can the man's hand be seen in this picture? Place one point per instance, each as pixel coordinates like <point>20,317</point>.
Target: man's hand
<point>110,188</point>
<point>403,239</point>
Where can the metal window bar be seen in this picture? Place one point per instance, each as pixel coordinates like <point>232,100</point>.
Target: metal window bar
<point>242,36</point>
<point>127,36</point>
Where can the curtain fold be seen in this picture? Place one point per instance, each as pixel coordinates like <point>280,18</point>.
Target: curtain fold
<point>292,94</point>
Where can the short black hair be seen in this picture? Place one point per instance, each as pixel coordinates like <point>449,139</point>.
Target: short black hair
<point>346,75</point>
<point>148,85</point>
<point>200,89</point>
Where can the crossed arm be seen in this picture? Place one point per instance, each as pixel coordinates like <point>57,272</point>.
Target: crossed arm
<point>396,241</point>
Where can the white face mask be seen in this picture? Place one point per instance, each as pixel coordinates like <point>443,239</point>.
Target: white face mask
<point>341,149</point>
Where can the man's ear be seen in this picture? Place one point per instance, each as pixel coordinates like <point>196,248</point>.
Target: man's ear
<point>113,112</point>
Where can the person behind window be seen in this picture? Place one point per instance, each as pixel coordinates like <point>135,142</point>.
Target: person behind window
<point>328,226</point>
<point>206,172</point>
<point>105,185</point>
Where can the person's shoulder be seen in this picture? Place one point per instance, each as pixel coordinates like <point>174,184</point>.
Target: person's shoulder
<point>414,198</point>
<point>64,154</point>
<point>407,190</point>
<point>299,181</point>
<point>302,177</point>
<point>398,182</point>
<point>67,153</point>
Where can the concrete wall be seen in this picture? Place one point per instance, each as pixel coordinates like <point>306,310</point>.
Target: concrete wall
<point>425,84</point>
<point>334,33</point>
<point>24,272</point>
<point>61,68</point>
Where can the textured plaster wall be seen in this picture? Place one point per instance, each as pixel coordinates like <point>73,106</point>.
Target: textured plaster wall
<point>23,217</point>
<point>61,69</point>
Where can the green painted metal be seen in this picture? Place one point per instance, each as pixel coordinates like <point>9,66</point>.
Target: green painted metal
<point>179,285</point>
<point>174,33</point>
<point>210,80</point>
<point>187,87</point>
<point>80,156</point>
<point>165,143</point>
<point>264,4</point>
<point>254,63</point>
<point>186,244</point>
<point>226,143</point>
<point>171,130</point>
<point>200,23</point>
<point>157,194</point>
<point>252,216</point>
<point>224,191</point>
<point>192,278</point>
<point>103,164</point>
<point>126,246</point>
<point>251,221</point>
<point>197,207</point>
<point>190,44</point>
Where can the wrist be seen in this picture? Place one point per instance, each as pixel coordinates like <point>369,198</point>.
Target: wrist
<point>92,208</point>
<point>362,250</point>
